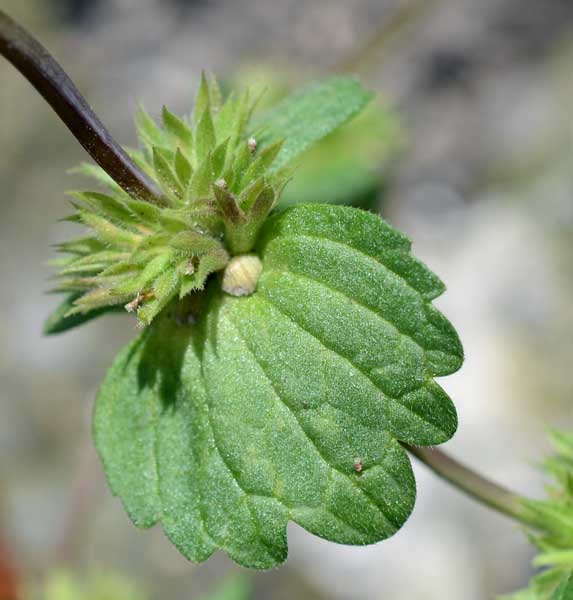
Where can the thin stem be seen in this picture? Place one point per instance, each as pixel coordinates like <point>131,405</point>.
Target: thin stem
<point>475,485</point>
<point>37,65</point>
<point>405,16</point>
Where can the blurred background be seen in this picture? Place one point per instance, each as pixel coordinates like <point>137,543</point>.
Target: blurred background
<point>471,156</point>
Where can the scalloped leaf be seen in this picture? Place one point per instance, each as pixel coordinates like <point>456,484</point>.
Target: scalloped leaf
<point>225,421</point>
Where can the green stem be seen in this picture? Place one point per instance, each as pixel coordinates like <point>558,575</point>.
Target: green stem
<point>475,485</point>
<point>37,65</point>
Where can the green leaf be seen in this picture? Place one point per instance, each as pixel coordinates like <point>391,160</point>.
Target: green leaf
<point>219,157</point>
<point>202,100</point>
<point>164,172</point>
<point>261,164</point>
<point>183,168</point>
<point>104,205</point>
<point>226,419</point>
<point>215,93</point>
<point>177,128</point>
<point>553,534</point>
<point>209,263</point>
<point>96,173</point>
<point>58,322</point>
<point>557,558</point>
<point>148,131</point>
<point>107,232</point>
<point>350,165</point>
<point>226,118</point>
<point>310,114</point>
<point>565,589</point>
<point>201,179</point>
<point>205,135</point>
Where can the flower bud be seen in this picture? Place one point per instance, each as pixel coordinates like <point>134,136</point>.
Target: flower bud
<point>242,275</point>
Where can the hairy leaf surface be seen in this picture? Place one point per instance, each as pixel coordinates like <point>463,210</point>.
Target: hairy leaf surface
<point>307,116</point>
<point>59,321</point>
<point>289,404</point>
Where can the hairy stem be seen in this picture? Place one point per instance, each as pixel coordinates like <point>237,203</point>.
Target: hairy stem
<point>51,81</point>
<point>475,485</point>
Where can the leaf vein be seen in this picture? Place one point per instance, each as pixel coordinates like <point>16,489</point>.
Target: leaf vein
<point>307,277</point>
<point>358,368</point>
<point>378,261</point>
<point>247,494</point>
<point>333,467</point>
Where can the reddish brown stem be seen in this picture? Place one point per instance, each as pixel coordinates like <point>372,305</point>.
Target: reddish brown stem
<point>37,65</point>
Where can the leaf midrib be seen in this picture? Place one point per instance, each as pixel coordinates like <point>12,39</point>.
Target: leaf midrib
<point>369,308</point>
<point>325,240</point>
<point>359,369</point>
<point>320,453</point>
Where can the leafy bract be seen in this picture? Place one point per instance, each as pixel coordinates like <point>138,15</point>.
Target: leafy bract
<point>227,418</point>
<point>350,164</point>
<point>565,589</point>
<point>218,183</point>
<point>553,537</point>
<point>307,116</point>
<point>59,321</point>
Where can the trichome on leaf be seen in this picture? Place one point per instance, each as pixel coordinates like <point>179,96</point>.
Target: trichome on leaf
<point>285,355</point>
